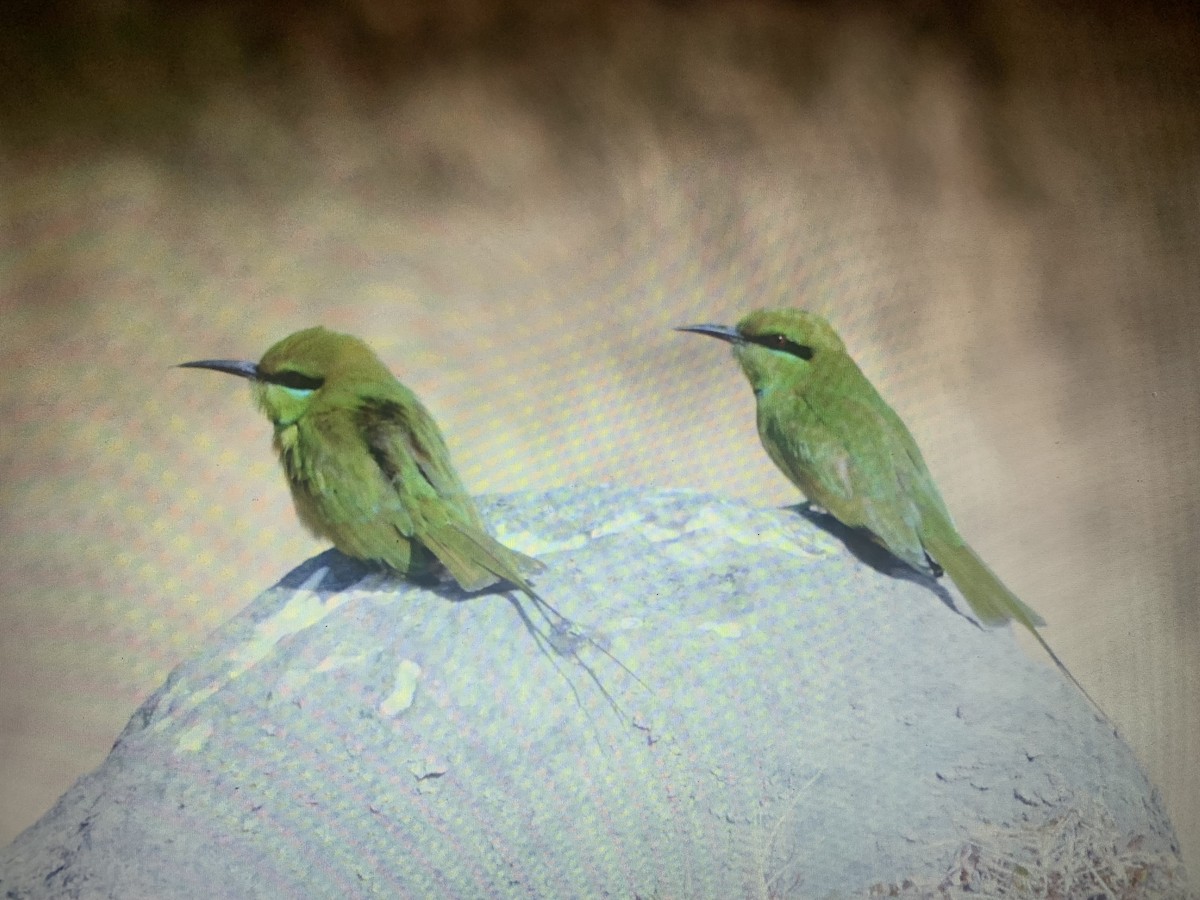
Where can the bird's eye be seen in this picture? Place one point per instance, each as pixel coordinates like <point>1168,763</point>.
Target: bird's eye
<point>785,345</point>
<point>297,381</point>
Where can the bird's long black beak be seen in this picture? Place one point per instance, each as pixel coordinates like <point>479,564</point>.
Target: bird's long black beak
<point>229,366</point>
<point>723,332</point>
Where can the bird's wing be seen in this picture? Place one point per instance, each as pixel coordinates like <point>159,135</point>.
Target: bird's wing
<point>408,448</point>
<point>855,462</point>
<point>404,439</point>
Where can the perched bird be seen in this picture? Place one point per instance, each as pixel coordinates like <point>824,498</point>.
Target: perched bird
<point>825,426</point>
<point>367,465</point>
<point>369,471</point>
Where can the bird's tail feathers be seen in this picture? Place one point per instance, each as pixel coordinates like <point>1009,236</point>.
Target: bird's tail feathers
<point>476,559</point>
<point>991,601</point>
<point>987,595</point>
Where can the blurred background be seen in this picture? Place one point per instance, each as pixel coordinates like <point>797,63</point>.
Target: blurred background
<point>998,204</point>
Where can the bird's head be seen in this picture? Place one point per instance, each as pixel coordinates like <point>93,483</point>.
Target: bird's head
<point>777,346</point>
<point>302,369</point>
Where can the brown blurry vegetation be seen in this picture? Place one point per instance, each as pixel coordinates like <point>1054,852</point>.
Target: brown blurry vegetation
<point>999,205</point>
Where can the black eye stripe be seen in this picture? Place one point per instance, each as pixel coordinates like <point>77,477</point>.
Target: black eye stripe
<point>779,342</point>
<point>289,378</point>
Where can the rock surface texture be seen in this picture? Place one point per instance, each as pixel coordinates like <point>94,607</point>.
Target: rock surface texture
<point>808,726</point>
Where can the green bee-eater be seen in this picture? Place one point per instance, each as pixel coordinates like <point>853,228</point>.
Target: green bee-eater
<point>367,464</point>
<point>369,471</point>
<point>826,427</point>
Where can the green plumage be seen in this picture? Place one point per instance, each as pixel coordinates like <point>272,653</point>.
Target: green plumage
<point>367,465</point>
<point>370,471</point>
<point>827,428</point>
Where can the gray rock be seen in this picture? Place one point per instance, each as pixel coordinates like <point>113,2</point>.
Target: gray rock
<point>808,726</point>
